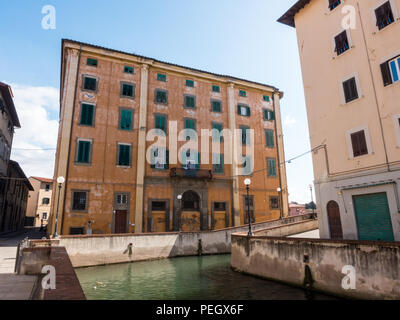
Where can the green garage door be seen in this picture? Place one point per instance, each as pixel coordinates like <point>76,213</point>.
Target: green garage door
<point>373,217</point>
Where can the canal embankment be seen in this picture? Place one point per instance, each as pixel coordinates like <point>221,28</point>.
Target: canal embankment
<point>94,250</point>
<point>346,268</point>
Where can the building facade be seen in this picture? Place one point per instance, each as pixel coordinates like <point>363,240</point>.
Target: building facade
<point>351,66</point>
<point>18,187</point>
<point>8,121</point>
<point>39,202</point>
<point>117,181</point>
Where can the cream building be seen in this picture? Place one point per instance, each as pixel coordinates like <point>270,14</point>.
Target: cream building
<point>39,202</point>
<point>352,88</point>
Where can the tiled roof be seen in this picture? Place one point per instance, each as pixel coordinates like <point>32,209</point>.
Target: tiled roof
<point>288,17</point>
<point>168,63</point>
<point>45,180</point>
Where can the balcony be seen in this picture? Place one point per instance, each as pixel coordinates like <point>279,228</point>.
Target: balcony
<point>191,173</point>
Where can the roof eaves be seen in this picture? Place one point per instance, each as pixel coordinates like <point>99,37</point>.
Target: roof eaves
<point>288,17</point>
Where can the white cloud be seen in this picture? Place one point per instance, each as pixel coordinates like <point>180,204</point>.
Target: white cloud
<point>35,107</point>
<point>290,121</point>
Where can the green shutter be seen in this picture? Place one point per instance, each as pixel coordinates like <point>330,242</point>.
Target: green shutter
<point>216,106</point>
<point>271,115</point>
<point>198,161</point>
<point>190,124</point>
<point>124,155</point>
<point>166,166</point>
<point>266,98</point>
<point>215,137</point>
<point>248,111</point>
<point>271,163</point>
<point>128,69</point>
<point>190,83</point>
<point>160,122</point>
<point>87,111</point>
<point>161,77</point>
<point>215,88</point>
<point>239,109</point>
<point>190,102</point>
<point>126,120</point>
<point>269,137</point>
<point>83,152</point>
<point>91,62</point>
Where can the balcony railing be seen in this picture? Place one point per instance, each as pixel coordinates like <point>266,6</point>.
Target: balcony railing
<point>191,173</point>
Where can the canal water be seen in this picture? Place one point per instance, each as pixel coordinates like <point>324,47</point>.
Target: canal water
<point>187,278</point>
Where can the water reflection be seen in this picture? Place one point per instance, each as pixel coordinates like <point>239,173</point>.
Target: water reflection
<point>189,278</point>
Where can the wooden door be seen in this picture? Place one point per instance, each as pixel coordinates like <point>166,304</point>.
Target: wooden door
<point>335,224</point>
<point>120,221</point>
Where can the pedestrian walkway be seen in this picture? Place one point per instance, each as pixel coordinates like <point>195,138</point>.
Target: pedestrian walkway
<point>16,287</point>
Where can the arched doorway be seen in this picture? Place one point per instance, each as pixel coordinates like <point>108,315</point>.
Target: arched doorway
<point>190,217</point>
<point>335,224</point>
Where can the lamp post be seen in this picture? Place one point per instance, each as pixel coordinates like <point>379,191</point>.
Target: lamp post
<point>60,181</point>
<point>179,197</point>
<point>247,182</point>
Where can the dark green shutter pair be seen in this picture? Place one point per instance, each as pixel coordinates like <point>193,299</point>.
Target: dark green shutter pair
<point>248,112</point>
<point>161,77</point>
<point>218,167</point>
<point>242,93</point>
<point>245,139</point>
<point>127,90</point>
<point>190,83</point>
<point>160,122</point>
<point>165,161</point>
<point>215,136</point>
<point>161,96</point>
<point>216,106</point>
<point>269,115</point>
<point>190,124</point>
<point>91,62</point>
<point>215,88</point>
<point>90,83</point>
<point>83,152</point>
<point>190,102</point>
<point>128,69</point>
<point>271,166</point>
<point>124,155</point>
<point>126,120</point>
<point>87,112</point>
<point>269,137</point>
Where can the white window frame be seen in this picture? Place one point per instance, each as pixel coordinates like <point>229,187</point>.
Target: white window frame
<point>367,139</point>
<point>396,119</point>
<point>358,84</point>
<point>396,60</point>
<point>394,11</point>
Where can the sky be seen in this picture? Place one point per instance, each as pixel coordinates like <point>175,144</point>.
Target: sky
<point>239,38</point>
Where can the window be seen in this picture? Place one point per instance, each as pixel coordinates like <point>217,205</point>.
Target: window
<point>47,188</point>
<point>391,71</point>
<point>76,231</point>
<point>84,151</point>
<point>243,110</point>
<point>190,124</point>
<point>124,155</point>
<point>271,167</point>
<point>45,201</point>
<point>79,200</point>
<point>91,62</point>
<point>216,89</point>
<point>161,96</point>
<point>158,205</point>
<point>242,93</point>
<point>122,198</point>
<point>190,83</point>
<point>384,15</point>
<point>127,90</point>
<point>216,136</point>
<point>89,83</point>
<point>219,206</point>
<point>190,159</point>
<point>87,114</point>
<point>218,163</point>
<point>266,98</point>
<point>274,203</point>
<point>44,215</point>
<point>160,122</point>
<point>269,115</point>
<point>342,43</point>
<point>126,119</point>
<point>216,106</point>
<point>190,201</point>
<point>161,77</point>
<point>190,102</point>
<point>269,138</point>
<point>334,3</point>
<point>159,158</point>
<point>359,143</point>
<point>245,135</point>
<point>129,70</point>
<point>247,167</point>
<point>350,90</point>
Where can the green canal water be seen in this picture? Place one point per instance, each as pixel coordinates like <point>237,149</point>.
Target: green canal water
<point>188,278</point>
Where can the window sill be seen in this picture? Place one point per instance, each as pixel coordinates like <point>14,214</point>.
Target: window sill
<point>352,101</point>
<point>335,57</point>
<point>124,167</point>
<point>377,31</point>
<point>361,157</point>
<point>83,164</point>
<point>127,97</point>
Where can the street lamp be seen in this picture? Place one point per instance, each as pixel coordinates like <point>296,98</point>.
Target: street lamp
<point>312,200</point>
<point>247,182</point>
<point>279,190</point>
<point>60,181</point>
<point>179,197</point>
